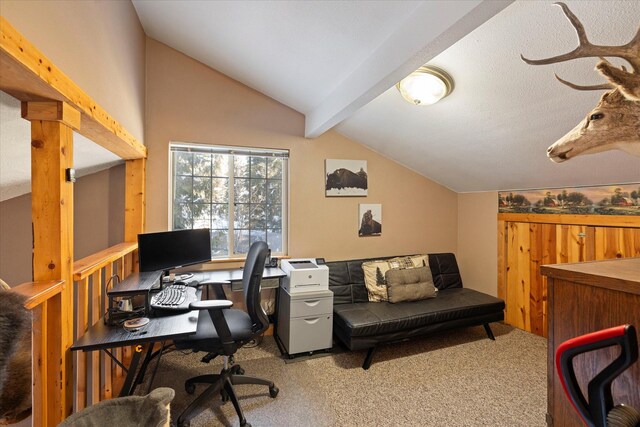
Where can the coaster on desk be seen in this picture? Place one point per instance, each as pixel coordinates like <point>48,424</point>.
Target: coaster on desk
<point>135,324</point>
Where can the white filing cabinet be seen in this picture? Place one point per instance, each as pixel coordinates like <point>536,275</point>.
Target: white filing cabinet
<point>305,321</point>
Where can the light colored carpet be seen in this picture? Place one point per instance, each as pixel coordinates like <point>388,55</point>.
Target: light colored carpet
<point>457,378</point>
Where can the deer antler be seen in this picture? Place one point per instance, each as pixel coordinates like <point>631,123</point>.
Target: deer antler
<point>603,86</point>
<point>630,51</point>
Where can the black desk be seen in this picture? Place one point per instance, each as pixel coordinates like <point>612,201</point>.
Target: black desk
<point>101,336</point>
<point>159,329</point>
<point>234,275</point>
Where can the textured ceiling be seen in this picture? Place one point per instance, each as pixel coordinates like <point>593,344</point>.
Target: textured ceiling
<point>492,132</point>
<point>336,62</point>
<point>294,52</point>
<point>325,59</point>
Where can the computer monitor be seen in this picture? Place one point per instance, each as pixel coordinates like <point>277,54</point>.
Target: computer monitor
<point>172,249</point>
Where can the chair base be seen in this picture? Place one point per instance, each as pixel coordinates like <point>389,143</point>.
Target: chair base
<point>221,383</point>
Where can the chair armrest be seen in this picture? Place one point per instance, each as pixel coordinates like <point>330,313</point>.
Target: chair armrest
<point>210,304</point>
<point>215,308</point>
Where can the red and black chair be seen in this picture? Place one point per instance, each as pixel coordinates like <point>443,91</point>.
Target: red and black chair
<point>599,410</point>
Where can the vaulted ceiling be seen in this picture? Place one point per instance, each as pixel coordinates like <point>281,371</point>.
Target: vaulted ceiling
<point>338,62</point>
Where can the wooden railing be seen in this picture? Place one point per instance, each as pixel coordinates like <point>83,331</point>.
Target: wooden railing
<point>55,105</point>
<point>43,299</point>
<point>95,374</point>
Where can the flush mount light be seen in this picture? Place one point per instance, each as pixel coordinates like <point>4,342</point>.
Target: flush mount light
<point>425,86</point>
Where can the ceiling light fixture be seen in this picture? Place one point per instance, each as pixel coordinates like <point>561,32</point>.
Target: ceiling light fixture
<point>425,86</point>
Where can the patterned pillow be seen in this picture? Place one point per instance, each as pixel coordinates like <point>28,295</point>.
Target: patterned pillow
<point>420,260</point>
<point>374,280</point>
<point>375,273</point>
<point>401,263</point>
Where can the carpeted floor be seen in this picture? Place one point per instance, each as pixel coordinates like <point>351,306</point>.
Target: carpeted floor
<point>458,378</point>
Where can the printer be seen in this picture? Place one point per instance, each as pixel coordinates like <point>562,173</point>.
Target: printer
<point>304,275</point>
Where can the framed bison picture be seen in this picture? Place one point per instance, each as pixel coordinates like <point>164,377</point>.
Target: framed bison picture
<point>345,177</point>
<point>370,220</point>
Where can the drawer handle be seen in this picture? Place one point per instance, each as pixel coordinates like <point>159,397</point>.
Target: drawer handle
<point>312,302</point>
<point>312,321</point>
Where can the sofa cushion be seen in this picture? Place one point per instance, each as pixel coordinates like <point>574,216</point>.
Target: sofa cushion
<point>365,319</point>
<point>413,284</point>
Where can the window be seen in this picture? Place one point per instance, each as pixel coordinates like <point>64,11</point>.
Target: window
<point>240,194</point>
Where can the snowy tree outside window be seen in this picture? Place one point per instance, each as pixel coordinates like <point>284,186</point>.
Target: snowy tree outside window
<point>240,194</point>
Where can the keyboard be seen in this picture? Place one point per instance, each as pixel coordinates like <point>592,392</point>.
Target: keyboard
<point>175,297</point>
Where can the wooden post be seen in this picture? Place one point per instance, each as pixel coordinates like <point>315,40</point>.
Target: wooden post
<point>134,205</point>
<point>52,216</point>
<point>134,218</point>
<point>135,202</point>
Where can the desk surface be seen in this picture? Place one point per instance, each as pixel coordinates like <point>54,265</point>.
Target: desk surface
<point>234,275</point>
<point>101,336</point>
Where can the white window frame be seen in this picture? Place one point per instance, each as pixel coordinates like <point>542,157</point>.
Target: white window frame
<point>233,150</point>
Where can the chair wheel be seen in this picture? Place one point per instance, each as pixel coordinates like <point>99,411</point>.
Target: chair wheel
<point>246,424</point>
<point>190,389</point>
<point>240,371</point>
<point>273,391</point>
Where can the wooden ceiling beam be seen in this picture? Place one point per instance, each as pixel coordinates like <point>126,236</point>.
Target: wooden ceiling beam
<point>28,75</point>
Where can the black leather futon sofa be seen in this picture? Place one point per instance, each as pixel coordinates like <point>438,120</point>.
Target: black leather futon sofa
<point>360,324</point>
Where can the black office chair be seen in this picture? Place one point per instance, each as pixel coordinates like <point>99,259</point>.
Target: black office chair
<point>221,331</point>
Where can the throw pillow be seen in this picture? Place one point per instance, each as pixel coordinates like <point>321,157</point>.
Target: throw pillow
<point>374,273</point>
<point>420,260</point>
<point>410,284</point>
<point>374,279</point>
<point>401,262</point>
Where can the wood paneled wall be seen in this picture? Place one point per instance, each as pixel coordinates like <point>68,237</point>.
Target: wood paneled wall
<point>528,241</point>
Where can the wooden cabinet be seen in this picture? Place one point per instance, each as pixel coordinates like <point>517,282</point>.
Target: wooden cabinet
<point>583,298</point>
<point>525,242</point>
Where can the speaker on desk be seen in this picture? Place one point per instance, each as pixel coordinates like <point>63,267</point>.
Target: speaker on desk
<point>270,262</point>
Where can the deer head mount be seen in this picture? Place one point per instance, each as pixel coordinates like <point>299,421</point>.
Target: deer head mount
<point>615,122</point>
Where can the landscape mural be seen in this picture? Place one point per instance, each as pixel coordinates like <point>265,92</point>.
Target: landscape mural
<point>602,200</point>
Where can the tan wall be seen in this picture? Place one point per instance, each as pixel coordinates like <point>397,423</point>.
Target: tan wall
<point>15,240</point>
<point>99,223</point>
<point>98,211</point>
<point>187,101</point>
<point>98,44</point>
<point>478,241</point>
